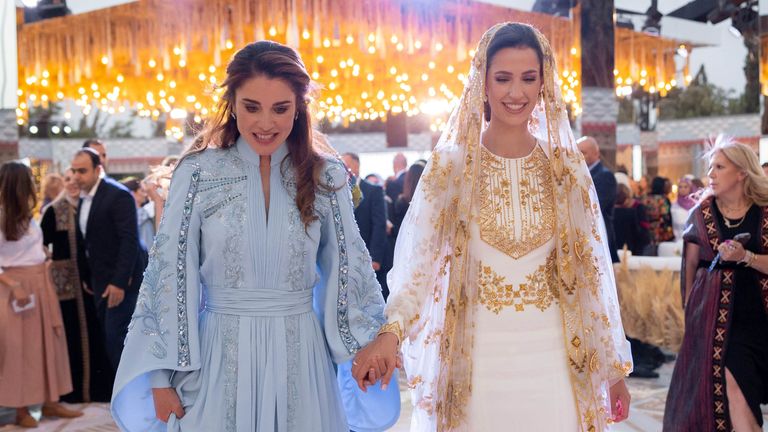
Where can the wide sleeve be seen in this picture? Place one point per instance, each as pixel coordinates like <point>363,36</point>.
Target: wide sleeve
<point>351,303</point>
<point>163,335</point>
<point>352,306</point>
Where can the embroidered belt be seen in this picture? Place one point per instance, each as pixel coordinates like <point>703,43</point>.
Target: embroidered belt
<point>261,303</point>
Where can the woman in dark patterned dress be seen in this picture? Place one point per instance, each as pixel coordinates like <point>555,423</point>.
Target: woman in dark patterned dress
<point>721,375</point>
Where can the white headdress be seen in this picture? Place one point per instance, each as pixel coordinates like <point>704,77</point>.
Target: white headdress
<point>433,298</point>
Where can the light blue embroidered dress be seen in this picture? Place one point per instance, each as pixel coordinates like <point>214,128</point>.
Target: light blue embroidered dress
<point>245,314</point>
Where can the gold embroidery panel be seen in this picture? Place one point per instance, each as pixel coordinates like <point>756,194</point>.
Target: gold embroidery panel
<point>540,289</point>
<point>516,217</point>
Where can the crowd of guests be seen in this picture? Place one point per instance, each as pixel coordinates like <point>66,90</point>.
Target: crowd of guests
<point>74,275</point>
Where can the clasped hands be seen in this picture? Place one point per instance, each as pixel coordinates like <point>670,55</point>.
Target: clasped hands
<point>377,361</point>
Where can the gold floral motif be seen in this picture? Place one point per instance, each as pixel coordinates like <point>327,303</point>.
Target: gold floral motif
<point>540,290</point>
<point>516,226</point>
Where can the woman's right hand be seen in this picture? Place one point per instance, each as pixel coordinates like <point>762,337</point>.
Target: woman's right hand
<point>167,402</point>
<point>20,295</point>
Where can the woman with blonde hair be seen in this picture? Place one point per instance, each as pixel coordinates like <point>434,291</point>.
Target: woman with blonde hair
<point>721,375</point>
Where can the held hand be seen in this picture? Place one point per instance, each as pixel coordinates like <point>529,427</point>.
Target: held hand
<point>167,402</point>
<point>619,401</point>
<point>114,296</point>
<point>376,266</point>
<point>731,251</point>
<point>20,295</point>
<point>376,361</point>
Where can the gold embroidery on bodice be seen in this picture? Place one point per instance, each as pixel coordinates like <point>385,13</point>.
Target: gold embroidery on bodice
<point>539,290</point>
<point>517,208</point>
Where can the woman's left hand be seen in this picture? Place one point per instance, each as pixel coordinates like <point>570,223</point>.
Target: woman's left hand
<point>731,251</point>
<point>620,398</point>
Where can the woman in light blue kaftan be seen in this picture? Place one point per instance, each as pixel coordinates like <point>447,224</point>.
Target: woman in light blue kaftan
<point>244,314</point>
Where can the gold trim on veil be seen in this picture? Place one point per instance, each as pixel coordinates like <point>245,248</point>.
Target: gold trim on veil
<point>433,298</point>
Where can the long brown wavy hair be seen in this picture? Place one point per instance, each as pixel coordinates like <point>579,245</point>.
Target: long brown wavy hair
<point>274,61</point>
<point>17,199</point>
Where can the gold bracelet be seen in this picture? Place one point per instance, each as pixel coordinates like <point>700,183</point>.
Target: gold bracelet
<point>751,260</point>
<point>394,328</point>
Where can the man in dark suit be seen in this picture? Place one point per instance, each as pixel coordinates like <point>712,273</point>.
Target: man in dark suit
<point>110,255</point>
<point>394,185</point>
<point>371,217</point>
<point>605,185</point>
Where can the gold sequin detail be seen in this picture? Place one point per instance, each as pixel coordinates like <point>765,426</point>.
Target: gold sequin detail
<point>539,290</point>
<point>516,216</point>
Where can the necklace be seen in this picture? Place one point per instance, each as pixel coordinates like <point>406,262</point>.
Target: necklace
<point>730,224</point>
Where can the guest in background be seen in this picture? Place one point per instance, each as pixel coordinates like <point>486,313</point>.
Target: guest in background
<point>145,211</point>
<point>156,185</point>
<point>404,200</point>
<point>630,222</point>
<point>371,217</point>
<point>92,375</point>
<point>686,199</point>
<point>605,185</point>
<point>34,367</point>
<point>111,254</point>
<point>394,185</point>
<point>765,168</point>
<point>375,179</point>
<point>100,148</point>
<point>52,186</point>
<point>721,374</point>
<point>659,212</point>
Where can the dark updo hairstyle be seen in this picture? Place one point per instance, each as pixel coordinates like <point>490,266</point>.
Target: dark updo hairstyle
<point>512,35</point>
<point>274,61</point>
<point>17,199</point>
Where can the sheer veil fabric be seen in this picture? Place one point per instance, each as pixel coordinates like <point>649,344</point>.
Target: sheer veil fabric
<point>433,298</point>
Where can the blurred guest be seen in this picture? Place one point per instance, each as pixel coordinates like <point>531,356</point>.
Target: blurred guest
<point>659,211</point>
<point>686,199</point>
<point>52,186</point>
<point>156,185</point>
<point>394,184</point>
<point>721,374</point>
<point>99,147</point>
<point>765,168</point>
<point>374,179</point>
<point>111,254</point>
<point>605,185</point>
<point>92,375</point>
<point>145,211</point>
<point>404,200</point>
<point>630,222</point>
<point>371,217</point>
<point>34,367</point>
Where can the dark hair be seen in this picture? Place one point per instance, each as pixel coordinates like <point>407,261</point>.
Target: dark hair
<point>658,186</point>
<point>411,181</point>
<point>765,164</point>
<point>274,61</point>
<point>91,141</point>
<point>131,183</point>
<point>92,154</point>
<point>17,199</point>
<point>354,156</point>
<point>512,35</point>
<point>622,194</point>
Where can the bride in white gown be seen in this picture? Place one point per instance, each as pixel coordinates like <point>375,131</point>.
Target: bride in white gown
<point>503,294</point>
